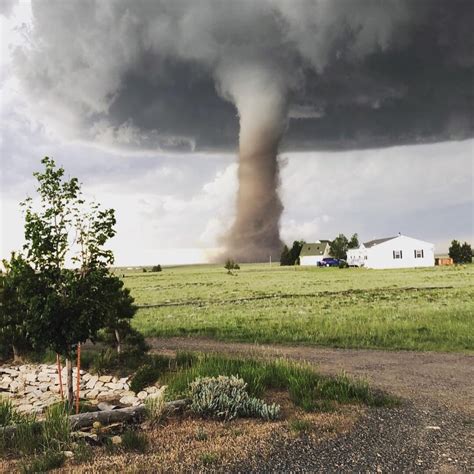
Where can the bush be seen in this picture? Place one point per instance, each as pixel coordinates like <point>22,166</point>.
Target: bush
<point>156,268</point>
<point>231,265</point>
<point>149,373</point>
<point>226,398</point>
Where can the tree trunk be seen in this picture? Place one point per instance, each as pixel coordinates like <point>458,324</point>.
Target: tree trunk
<point>69,383</point>
<point>16,354</point>
<point>117,337</point>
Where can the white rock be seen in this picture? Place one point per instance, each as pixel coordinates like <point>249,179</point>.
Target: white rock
<point>31,378</point>
<point>44,387</point>
<point>26,407</point>
<point>6,380</point>
<point>43,377</point>
<point>68,454</point>
<point>116,439</point>
<point>92,382</point>
<point>92,394</point>
<point>129,400</point>
<point>105,378</point>
<point>142,395</point>
<point>151,389</point>
<point>86,377</point>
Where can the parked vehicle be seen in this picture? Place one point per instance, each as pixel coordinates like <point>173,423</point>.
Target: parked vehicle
<point>329,262</point>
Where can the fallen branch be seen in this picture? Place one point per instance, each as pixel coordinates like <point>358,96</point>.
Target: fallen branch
<point>120,415</point>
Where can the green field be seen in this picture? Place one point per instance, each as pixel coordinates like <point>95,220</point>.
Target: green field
<point>421,309</point>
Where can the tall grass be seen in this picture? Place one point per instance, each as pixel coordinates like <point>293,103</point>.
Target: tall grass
<point>32,437</point>
<point>307,388</point>
<point>393,309</point>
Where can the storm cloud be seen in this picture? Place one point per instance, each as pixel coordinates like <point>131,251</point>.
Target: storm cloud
<point>359,73</point>
<point>264,75</point>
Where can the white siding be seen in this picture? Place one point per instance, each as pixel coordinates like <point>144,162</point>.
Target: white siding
<point>381,255</point>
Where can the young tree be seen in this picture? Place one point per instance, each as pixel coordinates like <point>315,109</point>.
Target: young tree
<point>455,251</point>
<point>339,247</point>
<point>74,303</point>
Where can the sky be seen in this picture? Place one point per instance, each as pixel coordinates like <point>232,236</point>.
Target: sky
<point>175,196</point>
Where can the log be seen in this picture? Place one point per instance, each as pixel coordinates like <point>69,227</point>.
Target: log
<point>120,415</point>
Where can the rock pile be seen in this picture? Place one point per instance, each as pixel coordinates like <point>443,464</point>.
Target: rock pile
<point>32,388</point>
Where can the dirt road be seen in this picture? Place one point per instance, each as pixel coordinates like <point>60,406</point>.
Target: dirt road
<point>431,431</point>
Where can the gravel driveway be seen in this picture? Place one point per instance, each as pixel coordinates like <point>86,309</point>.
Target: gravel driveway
<point>431,431</point>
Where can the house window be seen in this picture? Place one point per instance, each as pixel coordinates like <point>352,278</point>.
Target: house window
<point>419,254</point>
<point>397,254</point>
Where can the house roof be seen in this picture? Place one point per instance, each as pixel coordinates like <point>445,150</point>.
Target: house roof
<point>373,243</point>
<point>312,249</point>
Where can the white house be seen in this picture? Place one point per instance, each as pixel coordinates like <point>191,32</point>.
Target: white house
<point>392,252</point>
<point>313,253</point>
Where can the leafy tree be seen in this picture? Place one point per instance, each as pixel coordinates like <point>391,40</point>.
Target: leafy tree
<point>339,247</point>
<point>156,268</point>
<point>295,252</point>
<point>455,251</point>
<point>72,304</point>
<point>231,265</point>
<point>120,310</point>
<point>341,244</point>
<point>14,312</point>
<point>354,242</point>
<point>285,257</point>
<point>466,253</point>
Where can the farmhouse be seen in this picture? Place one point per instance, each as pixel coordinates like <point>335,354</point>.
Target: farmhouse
<point>400,251</point>
<point>313,253</point>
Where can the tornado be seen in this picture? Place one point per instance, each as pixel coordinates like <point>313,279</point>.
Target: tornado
<point>261,103</point>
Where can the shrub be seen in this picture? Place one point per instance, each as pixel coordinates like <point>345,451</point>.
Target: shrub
<point>149,373</point>
<point>226,398</point>
<point>133,441</point>
<point>155,406</point>
<point>156,268</point>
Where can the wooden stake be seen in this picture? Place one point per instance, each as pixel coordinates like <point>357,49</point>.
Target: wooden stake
<point>58,361</point>
<point>78,380</point>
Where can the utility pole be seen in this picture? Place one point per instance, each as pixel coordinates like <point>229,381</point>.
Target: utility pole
<point>270,260</point>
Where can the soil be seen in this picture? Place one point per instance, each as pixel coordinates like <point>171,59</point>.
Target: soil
<point>430,431</point>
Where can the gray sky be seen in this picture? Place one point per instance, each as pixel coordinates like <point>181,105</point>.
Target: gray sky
<point>378,154</point>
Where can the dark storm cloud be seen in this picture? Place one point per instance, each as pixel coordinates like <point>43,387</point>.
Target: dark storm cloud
<point>365,73</point>
<point>196,75</point>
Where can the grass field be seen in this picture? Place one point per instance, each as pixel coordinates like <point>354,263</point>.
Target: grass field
<point>420,309</point>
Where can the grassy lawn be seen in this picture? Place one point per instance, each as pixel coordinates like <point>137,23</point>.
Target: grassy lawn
<point>420,309</point>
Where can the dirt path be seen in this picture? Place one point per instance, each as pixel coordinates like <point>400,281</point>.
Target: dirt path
<point>432,430</point>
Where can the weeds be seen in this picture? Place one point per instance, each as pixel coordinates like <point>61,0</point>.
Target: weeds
<point>43,462</point>
<point>300,426</point>
<point>208,458</point>
<point>134,441</point>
